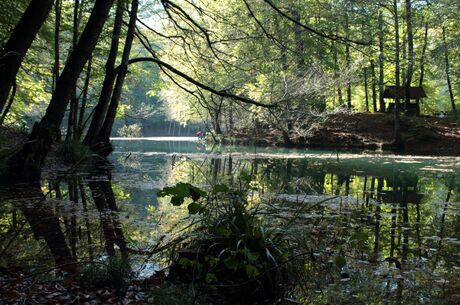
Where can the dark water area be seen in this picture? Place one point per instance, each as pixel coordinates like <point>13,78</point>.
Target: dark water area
<point>393,221</point>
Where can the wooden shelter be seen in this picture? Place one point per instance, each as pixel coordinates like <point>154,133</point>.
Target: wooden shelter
<point>415,93</point>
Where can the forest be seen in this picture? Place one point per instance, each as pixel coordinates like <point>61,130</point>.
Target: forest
<point>229,152</point>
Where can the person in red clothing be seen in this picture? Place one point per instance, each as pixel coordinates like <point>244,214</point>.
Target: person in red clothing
<point>200,134</point>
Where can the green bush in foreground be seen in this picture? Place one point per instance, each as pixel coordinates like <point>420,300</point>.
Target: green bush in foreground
<point>230,251</point>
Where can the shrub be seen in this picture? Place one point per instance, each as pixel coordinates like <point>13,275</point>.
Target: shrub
<point>230,251</point>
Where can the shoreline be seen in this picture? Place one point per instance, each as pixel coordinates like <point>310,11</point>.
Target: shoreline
<point>366,132</point>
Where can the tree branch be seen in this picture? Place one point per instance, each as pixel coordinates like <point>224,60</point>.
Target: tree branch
<point>222,93</point>
<point>314,31</point>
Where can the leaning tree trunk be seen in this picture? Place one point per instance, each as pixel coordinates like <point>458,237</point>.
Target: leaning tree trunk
<point>19,42</point>
<point>26,164</point>
<point>109,80</point>
<point>103,138</point>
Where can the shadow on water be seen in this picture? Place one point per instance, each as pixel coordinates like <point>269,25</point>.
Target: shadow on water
<point>394,220</point>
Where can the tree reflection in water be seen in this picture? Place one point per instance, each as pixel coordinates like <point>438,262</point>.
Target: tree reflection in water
<point>396,224</point>
<point>53,217</point>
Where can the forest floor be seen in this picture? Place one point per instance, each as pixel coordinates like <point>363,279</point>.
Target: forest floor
<point>367,131</point>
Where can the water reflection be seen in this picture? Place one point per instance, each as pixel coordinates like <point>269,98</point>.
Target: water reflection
<point>396,220</point>
<point>71,219</point>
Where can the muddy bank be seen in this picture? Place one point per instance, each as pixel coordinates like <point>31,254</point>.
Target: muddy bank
<point>368,131</point>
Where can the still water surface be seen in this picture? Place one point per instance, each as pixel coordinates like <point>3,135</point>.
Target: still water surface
<point>395,219</point>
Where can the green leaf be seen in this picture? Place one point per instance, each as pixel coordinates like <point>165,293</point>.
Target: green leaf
<point>340,261</point>
<point>181,191</point>
<point>175,200</point>
<point>194,208</point>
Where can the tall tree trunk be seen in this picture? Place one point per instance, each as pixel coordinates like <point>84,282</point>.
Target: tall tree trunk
<point>446,57</point>
<point>26,164</point>
<point>410,51</point>
<point>57,30</point>
<point>381,60</point>
<point>348,59</point>
<point>337,75</point>
<point>18,44</point>
<point>84,100</point>
<point>109,80</point>
<point>374,87</point>
<point>397,124</point>
<point>73,113</point>
<point>366,89</point>
<point>104,135</point>
<point>216,121</point>
<point>422,63</point>
<point>403,61</point>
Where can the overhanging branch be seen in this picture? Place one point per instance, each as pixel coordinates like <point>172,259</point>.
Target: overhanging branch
<point>190,79</point>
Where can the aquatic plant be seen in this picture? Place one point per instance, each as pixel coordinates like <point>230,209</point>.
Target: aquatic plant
<point>230,251</point>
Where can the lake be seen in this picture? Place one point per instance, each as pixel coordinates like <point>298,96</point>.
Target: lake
<point>392,220</point>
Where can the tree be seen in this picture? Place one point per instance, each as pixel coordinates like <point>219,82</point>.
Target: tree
<point>397,123</point>
<point>410,44</point>
<point>109,80</point>
<point>106,129</point>
<point>26,164</point>
<point>19,43</point>
<point>448,77</point>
